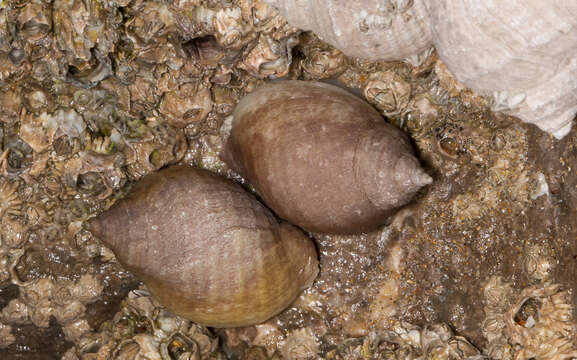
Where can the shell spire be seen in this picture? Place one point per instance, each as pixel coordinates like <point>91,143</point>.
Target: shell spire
<point>415,175</point>
<point>321,157</point>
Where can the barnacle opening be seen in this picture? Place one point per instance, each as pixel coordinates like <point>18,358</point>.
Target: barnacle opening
<point>528,313</point>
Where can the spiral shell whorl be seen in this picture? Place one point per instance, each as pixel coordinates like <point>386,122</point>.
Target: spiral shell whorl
<point>207,249</point>
<point>373,168</point>
<point>370,29</point>
<point>506,45</point>
<point>520,52</point>
<point>321,157</point>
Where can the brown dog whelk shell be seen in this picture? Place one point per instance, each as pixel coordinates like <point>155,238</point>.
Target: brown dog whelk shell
<point>321,157</point>
<point>207,249</point>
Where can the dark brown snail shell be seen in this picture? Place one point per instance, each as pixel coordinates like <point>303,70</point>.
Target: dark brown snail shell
<point>207,249</point>
<point>320,157</point>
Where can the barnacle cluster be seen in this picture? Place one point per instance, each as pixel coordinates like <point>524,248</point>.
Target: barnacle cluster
<point>534,323</point>
<point>97,94</point>
<point>143,329</point>
<point>406,341</point>
<point>504,180</point>
<point>43,299</point>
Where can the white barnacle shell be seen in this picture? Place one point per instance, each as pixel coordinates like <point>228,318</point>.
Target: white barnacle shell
<point>264,18</point>
<point>33,22</point>
<point>230,30</point>
<point>541,323</point>
<point>300,344</point>
<point>190,103</point>
<point>269,58</point>
<point>39,131</point>
<point>371,29</point>
<point>388,92</point>
<point>323,63</point>
<point>80,29</point>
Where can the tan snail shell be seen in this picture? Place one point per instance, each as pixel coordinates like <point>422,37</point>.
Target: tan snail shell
<point>320,157</point>
<point>520,52</point>
<point>207,249</point>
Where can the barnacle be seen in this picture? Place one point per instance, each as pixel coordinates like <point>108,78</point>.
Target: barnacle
<point>143,95</point>
<point>269,58</point>
<point>322,62</point>
<point>38,100</point>
<point>300,344</point>
<point>34,22</point>
<point>4,267</point>
<point>13,232</point>
<point>465,208</point>
<point>224,99</point>
<point>40,131</point>
<point>150,20</point>
<point>389,92</point>
<point>497,295</point>
<point>33,132</point>
<point>535,323</point>
<point>163,146</point>
<point>37,295</point>
<point>411,342</point>
<point>11,103</point>
<point>43,298</point>
<point>6,337</point>
<point>85,162</point>
<point>101,145</point>
<point>10,203</point>
<point>264,18</point>
<point>542,323</point>
<point>230,30</point>
<point>190,103</point>
<point>539,262</point>
<point>173,338</point>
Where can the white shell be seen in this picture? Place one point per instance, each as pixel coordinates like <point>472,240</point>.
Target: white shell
<point>370,29</point>
<point>521,52</point>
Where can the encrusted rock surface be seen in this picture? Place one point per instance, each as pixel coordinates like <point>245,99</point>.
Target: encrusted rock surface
<point>98,96</point>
